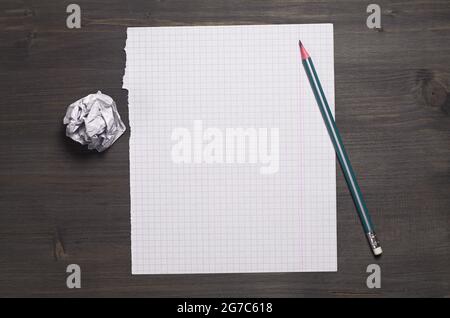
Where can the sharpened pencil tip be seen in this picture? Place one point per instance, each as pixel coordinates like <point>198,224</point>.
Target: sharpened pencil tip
<point>304,53</point>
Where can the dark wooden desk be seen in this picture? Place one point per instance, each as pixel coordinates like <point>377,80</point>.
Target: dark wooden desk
<point>60,204</point>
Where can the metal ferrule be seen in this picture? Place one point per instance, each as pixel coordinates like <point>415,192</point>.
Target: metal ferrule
<point>373,240</point>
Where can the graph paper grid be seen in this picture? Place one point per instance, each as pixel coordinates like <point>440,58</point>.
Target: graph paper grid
<point>229,217</point>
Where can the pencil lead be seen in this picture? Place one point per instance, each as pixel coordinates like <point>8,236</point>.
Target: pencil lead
<point>300,43</point>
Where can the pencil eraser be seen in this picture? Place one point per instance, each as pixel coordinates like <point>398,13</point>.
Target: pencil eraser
<point>377,251</point>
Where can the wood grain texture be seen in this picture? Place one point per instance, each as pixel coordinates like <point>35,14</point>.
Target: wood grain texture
<point>60,204</point>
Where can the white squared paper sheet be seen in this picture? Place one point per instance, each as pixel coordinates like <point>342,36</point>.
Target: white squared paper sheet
<point>228,217</point>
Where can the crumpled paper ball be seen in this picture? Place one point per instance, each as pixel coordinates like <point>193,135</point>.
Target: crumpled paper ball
<point>94,121</point>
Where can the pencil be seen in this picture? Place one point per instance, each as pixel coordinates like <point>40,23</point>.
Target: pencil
<point>340,151</point>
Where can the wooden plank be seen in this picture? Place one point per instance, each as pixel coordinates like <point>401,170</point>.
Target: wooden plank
<point>61,204</point>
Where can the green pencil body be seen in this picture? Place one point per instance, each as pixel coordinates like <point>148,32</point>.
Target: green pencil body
<point>340,151</point>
